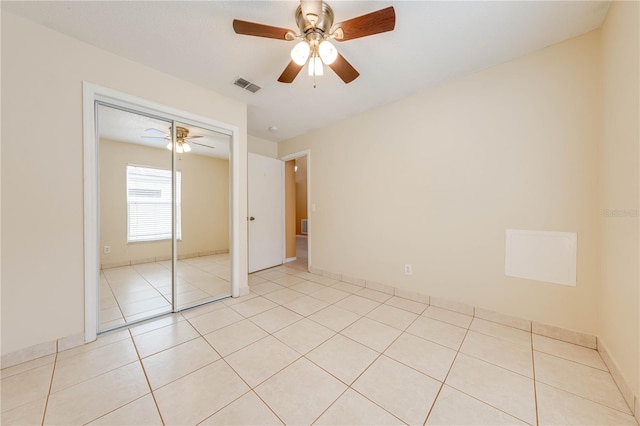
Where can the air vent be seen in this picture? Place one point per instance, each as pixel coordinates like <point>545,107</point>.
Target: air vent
<point>247,85</point>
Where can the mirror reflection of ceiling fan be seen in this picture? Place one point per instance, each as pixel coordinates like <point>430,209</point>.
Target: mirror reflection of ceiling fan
<point>315,22</point>
<point>182,138</point>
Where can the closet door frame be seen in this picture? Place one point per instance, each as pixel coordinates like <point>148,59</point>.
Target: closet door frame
<point>92,94</point>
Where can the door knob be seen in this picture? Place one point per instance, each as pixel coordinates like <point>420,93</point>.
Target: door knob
<point>252,218</point>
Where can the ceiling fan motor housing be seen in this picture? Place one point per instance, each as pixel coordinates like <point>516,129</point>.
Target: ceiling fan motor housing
<point>181,132</point>
<point>322,24</point>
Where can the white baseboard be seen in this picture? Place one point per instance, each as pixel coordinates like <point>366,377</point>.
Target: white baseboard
<point>130,262</point>
<point>41,349</point>
<point>625,390</point>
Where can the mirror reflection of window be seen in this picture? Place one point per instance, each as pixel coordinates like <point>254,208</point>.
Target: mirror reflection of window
<point>149,203</point>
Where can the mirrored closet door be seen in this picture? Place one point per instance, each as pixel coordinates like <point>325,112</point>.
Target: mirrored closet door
<point>203,266</point>
<point>164,216</point>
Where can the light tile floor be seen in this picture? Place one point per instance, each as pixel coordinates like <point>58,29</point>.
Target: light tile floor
<point>137,292</point>
<point>297,352</point>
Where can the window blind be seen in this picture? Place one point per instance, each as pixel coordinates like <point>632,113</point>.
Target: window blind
<point>149,204</point>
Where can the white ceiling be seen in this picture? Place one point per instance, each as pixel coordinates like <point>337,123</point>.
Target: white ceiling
<point>433,42</point>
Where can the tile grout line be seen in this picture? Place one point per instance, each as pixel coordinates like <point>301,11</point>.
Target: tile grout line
<point>262,338</point>
<point>335,333</point>
<point>375,403</point>
<point>572,392</point>
<point>496,365</point>
<point>582,364</point>
<point>252,388</point>
<point>266,405</point>
<point>330,405</point>
<point>535,388</point>
<point>84,380</point>
<point>349,386</point>
<point>149,282</point>
<point>144,371</point>
<point>465,393</point>
<point>116,299</point>
<point>53,372</point>
<point>587,399</point>
<point>119,304</point>
<point>154,287</point>
<point>446,375</point>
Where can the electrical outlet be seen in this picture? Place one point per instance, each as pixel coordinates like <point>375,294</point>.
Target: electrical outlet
<point>107,249</point>
<point>408,269</point>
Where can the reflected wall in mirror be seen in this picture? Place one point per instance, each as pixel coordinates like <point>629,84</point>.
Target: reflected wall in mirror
<point>136,218</point>
<point>203,267</point>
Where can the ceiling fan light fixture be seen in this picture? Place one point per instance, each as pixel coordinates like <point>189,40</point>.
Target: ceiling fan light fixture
<point>300,53</point>
<point>180,147</point>
<point>327,51</point>
<point>315,66</point>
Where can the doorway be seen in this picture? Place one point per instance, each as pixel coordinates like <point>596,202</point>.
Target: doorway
<point>297,208</point>
<point>161,192</point>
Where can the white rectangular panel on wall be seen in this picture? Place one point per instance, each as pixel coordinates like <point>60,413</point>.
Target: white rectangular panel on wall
<point>542,256</point>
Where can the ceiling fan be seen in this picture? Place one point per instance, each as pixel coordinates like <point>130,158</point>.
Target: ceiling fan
<point>315,22</point>
<point>182,138</point>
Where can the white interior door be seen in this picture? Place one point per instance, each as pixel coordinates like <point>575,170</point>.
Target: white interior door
<point>266,236</point>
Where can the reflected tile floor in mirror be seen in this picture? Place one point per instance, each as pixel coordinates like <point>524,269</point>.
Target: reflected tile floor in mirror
<point>305,349</point>
<point>132,293</point>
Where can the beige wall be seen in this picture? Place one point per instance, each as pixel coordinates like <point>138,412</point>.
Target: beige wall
<point>42,233</point>
<point>434,180</point>
<point>205,202</point>
<point>262,146</point>
<point>290,208</point>
<point>620,276</point>
<point>301,192</point>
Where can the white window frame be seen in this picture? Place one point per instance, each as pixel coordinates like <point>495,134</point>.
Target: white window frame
<point>168,201</point>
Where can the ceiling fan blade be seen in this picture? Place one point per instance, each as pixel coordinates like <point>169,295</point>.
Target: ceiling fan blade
<point>290,72</point>
<point>156,131</point>
<point>260,30</point>
<point>154,138</point>
<point>372,23</point>
<point>201,144</point>
<point>344,69</point>
<point>193,137</point>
